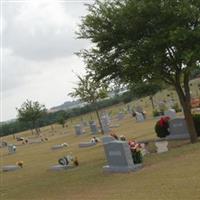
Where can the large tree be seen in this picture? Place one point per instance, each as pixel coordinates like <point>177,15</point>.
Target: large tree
<point>31,112</point>
<point>139,40</point>
<point>90,91</point>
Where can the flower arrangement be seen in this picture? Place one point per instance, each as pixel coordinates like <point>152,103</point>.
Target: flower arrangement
<point>136,151</point>
<point>162,126</point>
<point>20,163</point>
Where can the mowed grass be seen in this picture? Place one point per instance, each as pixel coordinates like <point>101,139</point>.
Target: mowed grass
<point>169,176</point>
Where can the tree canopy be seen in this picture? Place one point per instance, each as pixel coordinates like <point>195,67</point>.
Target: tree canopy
<point>31,111</point>
<point>139,40</point>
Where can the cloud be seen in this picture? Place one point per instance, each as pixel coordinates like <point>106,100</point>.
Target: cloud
<point>38,52</point>
<point>43,30</point>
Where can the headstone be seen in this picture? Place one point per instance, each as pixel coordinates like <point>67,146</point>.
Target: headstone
<point>86,144</point>
<point>93,127</point>
<point>139,117</point>
<point>34,141</point>
<point>59,146</point>
<point>11,149</point>
<point>78,129</point>
<point>170,113</point>
<point>60,167</point>
<point>178,129</point>
<point>105,124</point>
<point>119,157</point>
<point>107,138</point>
<point>161,146</point>
<point>8,168</point>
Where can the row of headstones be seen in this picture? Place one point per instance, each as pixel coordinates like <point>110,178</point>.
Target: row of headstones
<point>105,121</point>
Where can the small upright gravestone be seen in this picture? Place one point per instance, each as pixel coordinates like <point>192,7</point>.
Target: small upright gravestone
<point>105,124</point>
<point>178,129</point>
<point>78,129</point>
<point>170,113</point>
<point>11,149</point>
<point>139,117</point>
<point>119,157</point>
<point>93,127</point>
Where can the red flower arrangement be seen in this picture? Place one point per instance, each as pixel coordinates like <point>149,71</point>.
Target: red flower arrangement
<point>162,126</point>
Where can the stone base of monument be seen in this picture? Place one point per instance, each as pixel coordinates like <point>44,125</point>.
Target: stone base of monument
<point>114,169</point>
<point>86,144</point>
<point>178,137</point>
<point>60,167</point>
<point>161,146</point>
<point>8,168</point>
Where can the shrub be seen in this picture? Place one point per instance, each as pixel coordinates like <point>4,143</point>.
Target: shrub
<point>162,126</point>
<point>197,123</point>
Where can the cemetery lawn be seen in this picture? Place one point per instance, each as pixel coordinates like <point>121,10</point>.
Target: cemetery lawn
<point>169,176</point>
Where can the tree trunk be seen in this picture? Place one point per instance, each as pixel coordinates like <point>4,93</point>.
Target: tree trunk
<point>185,102</point>
<point>98,117</point>
<point>152,103</point>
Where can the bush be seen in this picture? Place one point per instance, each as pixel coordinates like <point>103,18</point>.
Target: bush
<point>162,126</point>
<point>197,123</point>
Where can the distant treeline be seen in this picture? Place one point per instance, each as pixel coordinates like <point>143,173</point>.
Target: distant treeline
<point>51,118</point>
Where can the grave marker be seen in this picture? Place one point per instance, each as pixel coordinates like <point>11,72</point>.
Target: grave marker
<point>119,157</point>
<point>178,129</point>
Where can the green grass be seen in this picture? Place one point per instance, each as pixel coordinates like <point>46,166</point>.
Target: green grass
<point>169,176</point>
<point>174,175</point>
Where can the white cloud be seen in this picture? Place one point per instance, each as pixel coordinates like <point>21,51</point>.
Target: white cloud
<point>38,52</point>
<point>43,30</point>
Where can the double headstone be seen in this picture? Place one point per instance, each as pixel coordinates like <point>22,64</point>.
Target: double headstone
<point>119,157</point>
<point>78,129</point>
<point>178,129</point>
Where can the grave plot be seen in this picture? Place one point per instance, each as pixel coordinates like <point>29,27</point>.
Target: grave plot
<point>119,157</point>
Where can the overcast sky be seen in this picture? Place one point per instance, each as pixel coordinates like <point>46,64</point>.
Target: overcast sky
<point>37,51</point>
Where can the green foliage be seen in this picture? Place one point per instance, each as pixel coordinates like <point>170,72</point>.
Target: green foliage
<point>149,40</point>
<point>31,112</point>
<point>89,90</point>
<point>145,89</point>
<point>137,157</point>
